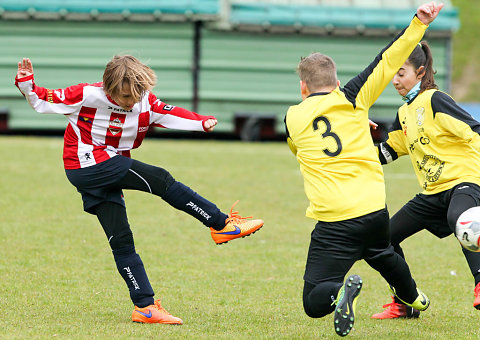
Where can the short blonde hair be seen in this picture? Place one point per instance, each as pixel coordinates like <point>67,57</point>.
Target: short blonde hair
<point>317,71</point>
<point>126,70</point>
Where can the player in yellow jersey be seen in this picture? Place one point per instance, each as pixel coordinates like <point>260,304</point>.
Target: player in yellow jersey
<point>329,134</point>
<point>443,143</point>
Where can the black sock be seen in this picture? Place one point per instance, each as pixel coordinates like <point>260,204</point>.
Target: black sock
<point>130,267</point>
<point>187,200</point>
<point>473,260</point>
<point>405,286</point>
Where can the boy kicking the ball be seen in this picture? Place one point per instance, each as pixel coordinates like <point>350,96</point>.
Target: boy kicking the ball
<point>105,121</point>
<point>329,134</point>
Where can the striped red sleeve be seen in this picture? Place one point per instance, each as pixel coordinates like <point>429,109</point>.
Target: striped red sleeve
<point>157,106</point>
<point>68,96</point>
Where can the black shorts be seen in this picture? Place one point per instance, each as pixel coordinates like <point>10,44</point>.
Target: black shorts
<point>98,183</point>
<point>336,246</point>
<point>430,211</point>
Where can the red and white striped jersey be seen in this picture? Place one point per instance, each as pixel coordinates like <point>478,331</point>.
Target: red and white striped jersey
<point>98,128</point>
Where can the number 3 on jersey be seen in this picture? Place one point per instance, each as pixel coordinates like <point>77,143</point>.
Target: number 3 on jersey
<point>328,133</point>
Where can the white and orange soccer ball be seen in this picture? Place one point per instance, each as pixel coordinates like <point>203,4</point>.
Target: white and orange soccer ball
<point>467,229</point>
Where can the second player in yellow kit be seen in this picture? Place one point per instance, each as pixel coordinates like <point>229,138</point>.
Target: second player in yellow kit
<point>328,132</point>
<point>443,143</point>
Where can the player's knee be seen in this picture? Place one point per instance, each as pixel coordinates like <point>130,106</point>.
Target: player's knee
<point>122,240</point>
<point>167,179</point>
<point>164,181</point>
<point>315,312</point>
<point>307,309</point>
<point>384,258</point>
<point>315,309</point>
<point>452,218</point>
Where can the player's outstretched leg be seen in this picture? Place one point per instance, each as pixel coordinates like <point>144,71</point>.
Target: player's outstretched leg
<point>154,314</point>
<point>395,310</point>
<point>421,303</point>
<point>344,314</point>
<point>236,226</point>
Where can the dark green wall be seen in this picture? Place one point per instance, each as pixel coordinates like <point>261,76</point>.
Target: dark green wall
<point>255,72</point>
<point>239,72</point>
<point>68,53</point>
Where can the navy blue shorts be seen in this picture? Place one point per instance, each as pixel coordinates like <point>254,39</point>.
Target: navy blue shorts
<point>100,182</point>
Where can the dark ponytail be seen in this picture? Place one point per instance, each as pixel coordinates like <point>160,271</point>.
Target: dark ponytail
<point>422,56</point>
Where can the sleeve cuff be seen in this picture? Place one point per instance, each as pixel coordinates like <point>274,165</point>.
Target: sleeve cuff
<point>203,121</point>
<point>27,78</point>
<point>417,22</point>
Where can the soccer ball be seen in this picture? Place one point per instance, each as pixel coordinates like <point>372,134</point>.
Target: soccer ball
<point>467,229</point>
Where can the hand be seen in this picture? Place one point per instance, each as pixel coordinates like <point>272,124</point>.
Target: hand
<point>209,124</point>
<point>25,68</point>
<point>372,124</point>
<point>428,12</point>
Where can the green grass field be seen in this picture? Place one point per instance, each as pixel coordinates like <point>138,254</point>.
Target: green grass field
<point>58,278</point>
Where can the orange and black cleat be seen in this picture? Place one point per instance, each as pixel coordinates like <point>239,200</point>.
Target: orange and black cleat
<point>235,227</point>
<point>154,314</point>
<point>395,310</point>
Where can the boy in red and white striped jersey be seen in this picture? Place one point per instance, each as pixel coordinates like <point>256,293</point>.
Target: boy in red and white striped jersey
<point>105,121</point>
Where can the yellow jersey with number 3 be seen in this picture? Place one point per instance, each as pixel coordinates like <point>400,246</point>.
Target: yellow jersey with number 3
<point>329,134</point>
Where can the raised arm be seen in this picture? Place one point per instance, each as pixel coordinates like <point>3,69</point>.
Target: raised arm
<point>366,87</point>
<point>43,100</point>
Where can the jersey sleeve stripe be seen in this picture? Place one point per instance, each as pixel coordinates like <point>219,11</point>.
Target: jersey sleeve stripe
<point>386,153</point>
<point>442,102</point>
<point>179,123</point>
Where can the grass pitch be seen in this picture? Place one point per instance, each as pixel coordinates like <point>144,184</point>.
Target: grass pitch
<point>59,279</point>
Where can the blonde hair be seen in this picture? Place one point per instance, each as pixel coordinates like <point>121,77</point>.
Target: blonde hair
<point>127,71</point>
<point>317,71</point>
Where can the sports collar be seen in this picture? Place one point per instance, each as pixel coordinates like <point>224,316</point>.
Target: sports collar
<point>317,94</point>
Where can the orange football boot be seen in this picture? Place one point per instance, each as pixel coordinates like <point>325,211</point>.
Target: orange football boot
<point>396,310</point>
<point>476,302</point>
<point>154,314</point>
<point>235,227</point>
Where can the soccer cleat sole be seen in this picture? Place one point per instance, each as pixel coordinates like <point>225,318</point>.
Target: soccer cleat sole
<point>253,232</point>
<point>344,318</point>
<point>161,323</point>
<point>155,314</point>
<point>165,321</point>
